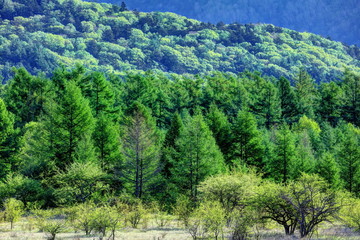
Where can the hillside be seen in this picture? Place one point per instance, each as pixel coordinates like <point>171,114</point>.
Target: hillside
<point>104,37</point>
<point>327,18</point>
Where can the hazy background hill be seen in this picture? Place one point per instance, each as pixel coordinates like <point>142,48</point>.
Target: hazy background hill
<point>41,35</point>
<point>330,18</point>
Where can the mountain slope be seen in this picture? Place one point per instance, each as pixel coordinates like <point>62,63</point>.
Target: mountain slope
<point>328,18</point>
<point>42,35</point>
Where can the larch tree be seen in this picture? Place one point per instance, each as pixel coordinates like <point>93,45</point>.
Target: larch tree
<point>306,94</point>
<point>287,100</point>
<point>141,151</point>
<point>247,142</point>
<point>6,140</point>
<point>72,119</point>
<point>349,158</point>
<point>198,156</point>
<point>351,107</point>
<point>281,164</point>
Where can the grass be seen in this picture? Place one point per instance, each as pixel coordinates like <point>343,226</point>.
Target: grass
<point>25,230</point>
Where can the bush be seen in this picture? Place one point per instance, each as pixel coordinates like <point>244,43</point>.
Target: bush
<point>50,222</point>
<point>13,210</point>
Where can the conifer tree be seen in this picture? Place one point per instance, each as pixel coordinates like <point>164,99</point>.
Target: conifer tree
<point>281,165</point>
<point>328,169</point>
<point>25,96</point>
<point>169,146</point>
<point>330,103</point>
<point>141,152</point>
<point>71,119</point>
<point>287,100</point>
<point>349,158</point>
<point>351,107</point>
<point>6,140</point>
<point>306,94</point>
<point>107,142</point>
<point>221,129</point>
<point>247,141</point>
<point>198,156</point>
<point>99,91</point>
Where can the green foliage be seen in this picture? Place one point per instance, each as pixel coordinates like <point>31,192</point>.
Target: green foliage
<point>232,191</point>
<point>6,140</point>
<point>40,36</point>
<point>141,153</point>
<point>312,201</point>
<point>350,214</point>
<point>13,210</point>
<point>27,190</point>
<point>80,182</point>
<point>281,164</point>
<point>349,157</point>
<point>48,221</point>
<point>247,145</point>
<point>198,156</point>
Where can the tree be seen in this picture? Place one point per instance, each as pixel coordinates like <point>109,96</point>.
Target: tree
<point>169,146</point>
<point>13,210</point>
<point>198,156</point>
<point>306,94</point>
<point>232,191</point>
<point>280,166</point>
<point>288,102</point>
<point>312,201</point>
<point>274,207</point>
<point>351,108</point>
<point>327,168</point>
<point>79,183</point>
<point>349,158</point>
<point>26,95</point>
<point>72,119</point>
<point>247,142</point>
<point>107,142</point>
<point>221,129</point>
<point>7,134</point>
<point>99,91</point>
<point>331,99</point>
<point>141,152</point>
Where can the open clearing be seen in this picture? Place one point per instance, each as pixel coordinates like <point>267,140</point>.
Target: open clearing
<point>25,230</point>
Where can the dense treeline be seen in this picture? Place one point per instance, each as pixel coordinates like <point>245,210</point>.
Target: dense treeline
<point>84,138</point>
<point>40,35</point>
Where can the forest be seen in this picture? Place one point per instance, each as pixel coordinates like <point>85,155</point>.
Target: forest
<point>113,121</point>
<point>242,148</point>
<point>40,35</point>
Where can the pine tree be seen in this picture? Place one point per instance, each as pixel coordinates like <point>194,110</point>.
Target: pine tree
<point>349,158</point>
<point>328,168</point>
<point>281,165</point>
<point>71,119</point>
<point>6,140</point>
<point>221,129</point>
<point>169,146</point>
<point>351,107</point>
<point>107,142</point>
<point>198,156</point>
<point>25,96</point>
<point>287,100</point>
<point>306,94</point>
<point>141,153</point>
<point>331,99</point>
<point>247,142</point>
<point>99,91</point>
